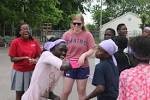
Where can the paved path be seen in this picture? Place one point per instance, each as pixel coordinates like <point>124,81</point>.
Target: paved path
<point>5,70</point>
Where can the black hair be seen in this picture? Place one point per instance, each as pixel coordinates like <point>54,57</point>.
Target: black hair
<point>147,25</point>
<point>119,26</point>
<point>112,31</point>
<point>18,31</point>
<point>140,46</point>
<point>121,42</point>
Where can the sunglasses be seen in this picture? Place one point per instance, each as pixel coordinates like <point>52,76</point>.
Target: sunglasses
<point>79,24</point>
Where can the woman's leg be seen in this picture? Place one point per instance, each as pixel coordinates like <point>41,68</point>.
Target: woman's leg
<point>67,88</point>
<point>19,95</point>
<point>81,88</point>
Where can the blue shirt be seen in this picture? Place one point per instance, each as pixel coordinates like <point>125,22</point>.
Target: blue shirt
<point>106,74</point>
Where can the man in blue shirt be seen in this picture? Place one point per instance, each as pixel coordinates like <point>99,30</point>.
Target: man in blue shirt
<point>106,75</point>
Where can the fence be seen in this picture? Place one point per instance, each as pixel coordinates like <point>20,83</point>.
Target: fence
<point>4,41</point>
<point>58,33</point>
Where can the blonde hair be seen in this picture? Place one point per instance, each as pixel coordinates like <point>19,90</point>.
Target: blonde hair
<point>76,16</point>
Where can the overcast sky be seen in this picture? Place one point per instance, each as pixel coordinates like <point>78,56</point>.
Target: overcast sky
<point>87,16</point>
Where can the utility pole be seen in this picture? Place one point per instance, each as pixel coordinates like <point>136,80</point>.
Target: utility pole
<point>100,26</point>
<point>23,9</point>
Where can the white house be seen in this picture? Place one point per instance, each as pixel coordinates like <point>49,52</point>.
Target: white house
<point>131,20</point>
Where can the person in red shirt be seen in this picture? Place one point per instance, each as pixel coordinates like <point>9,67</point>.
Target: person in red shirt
<point>24,51</point>
<point>80,43</point>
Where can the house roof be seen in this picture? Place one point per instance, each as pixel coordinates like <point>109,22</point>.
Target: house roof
<point>128,13</point>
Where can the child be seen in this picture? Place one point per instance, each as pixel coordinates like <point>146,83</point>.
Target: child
<point>109,33</point>
<point>47,70</point>
<point>106,75</point>
<point>146,31</point>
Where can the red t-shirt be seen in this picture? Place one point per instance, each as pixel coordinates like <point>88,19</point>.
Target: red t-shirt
<point>21,48</point>
<point>78,44</point>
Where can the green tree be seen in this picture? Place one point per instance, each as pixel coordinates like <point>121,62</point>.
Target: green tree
<point>34,12</point>
<point>116,8</point>
<point>91,27</point>
<point>70,7</point>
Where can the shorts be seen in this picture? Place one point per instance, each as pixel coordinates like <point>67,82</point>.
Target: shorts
<point>78,73</point>
<point>20,81</point>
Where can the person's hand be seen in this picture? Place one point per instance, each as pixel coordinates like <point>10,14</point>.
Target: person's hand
<point>81,60</point>
<point>32,61</point>
<point>65,66</point>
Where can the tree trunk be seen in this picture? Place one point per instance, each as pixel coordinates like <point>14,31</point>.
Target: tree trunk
<point>4,29</point>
